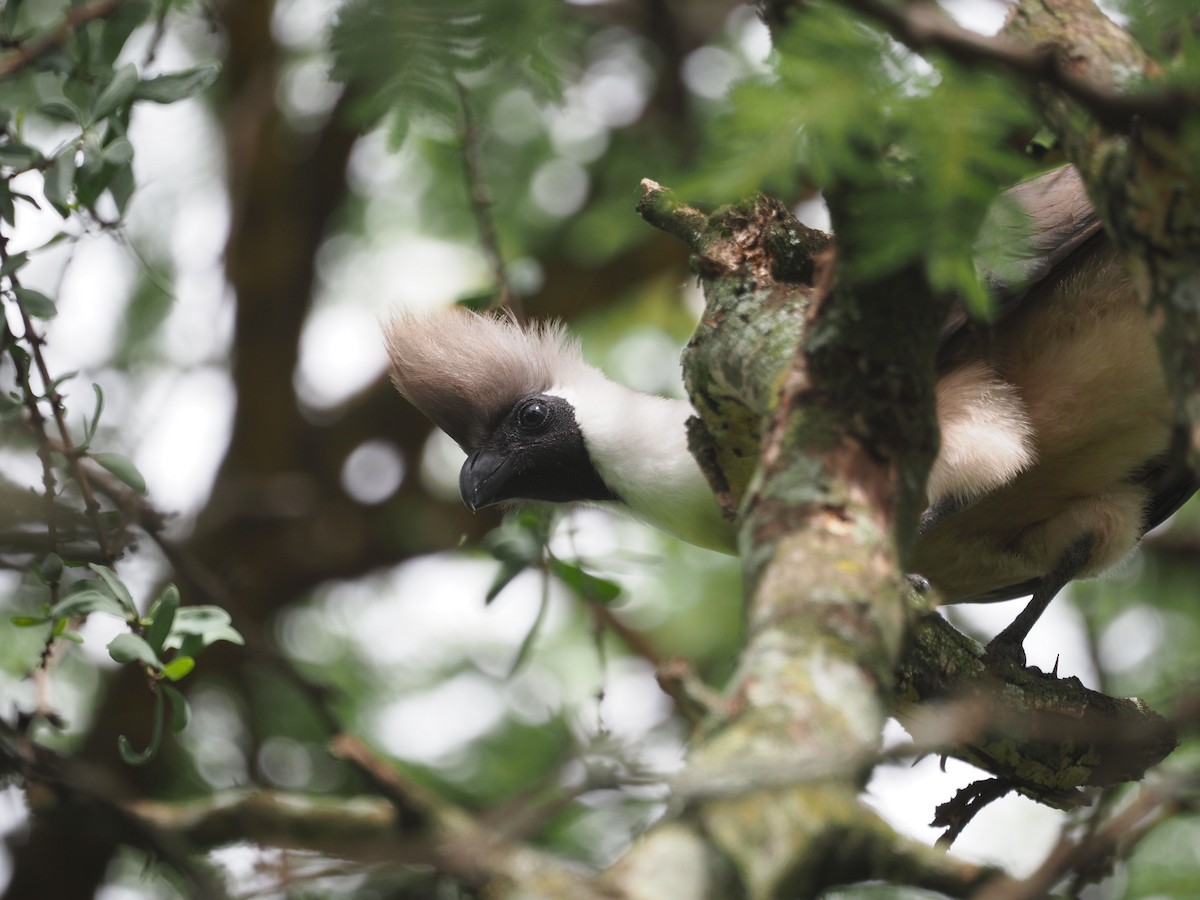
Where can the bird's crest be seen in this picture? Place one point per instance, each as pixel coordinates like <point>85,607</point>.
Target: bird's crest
<point>465,370</point>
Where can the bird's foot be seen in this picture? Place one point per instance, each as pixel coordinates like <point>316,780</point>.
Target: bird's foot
<point>1004,653</point>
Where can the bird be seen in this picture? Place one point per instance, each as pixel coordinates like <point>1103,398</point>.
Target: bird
<point>1056,437</point>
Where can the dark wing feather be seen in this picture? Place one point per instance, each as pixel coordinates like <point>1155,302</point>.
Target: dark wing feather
<point>1033,229</point>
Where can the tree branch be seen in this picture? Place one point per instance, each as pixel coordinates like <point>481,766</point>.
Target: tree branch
<point>25,53</point>
<point>1045,737</point>
<point>925,26</point>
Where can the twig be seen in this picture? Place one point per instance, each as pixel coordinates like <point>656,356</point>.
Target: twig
<point>90,786</point>
<point>412,804</point>
<point>25,53</point>
<point>924,26</point>
<point>1117,838</point>
<point>72,453</point>
<point>481,207</point>
<point>211,587</point>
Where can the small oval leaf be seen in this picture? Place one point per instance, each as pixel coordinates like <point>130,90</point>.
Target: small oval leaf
<point>116,93</point>
<point>130,755</point>
<point>59,179</point>
<point>200,619</point>
<point>36,303</point>
<point>115,585</point>
<point>181,713</point>
<point>28,621</point>
<point>177,85</point>
<point>129,647</point>
<point>123,468</point>
<point>87,602</point>
<point>14,262</point>
<point>178,668</point>
<point>162,617</point>
<point>118,152</point>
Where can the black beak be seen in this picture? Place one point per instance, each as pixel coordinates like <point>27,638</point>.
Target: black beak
<point>482,478</point>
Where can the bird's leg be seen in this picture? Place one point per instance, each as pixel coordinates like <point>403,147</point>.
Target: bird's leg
<point>1007,645</point>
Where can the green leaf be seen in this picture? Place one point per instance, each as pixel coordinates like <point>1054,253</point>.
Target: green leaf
<point>29,621</point>
<point>196,627</point>
<point>59,111</point>
<point>178,668</point>
<point>116,586</point>
<point>59,382</point>
<point>131,756</point>
<point>58,181</point>
<point>93,153</point>
<point>162,617</point>
<point>177,85</point>
<point>228,633</point>
<point>117,93</point>
<point>11,10</point>
<point>504,577</point>
<point>513,545</point>
<point>185,644</point>
<point>181,713</point>
<point>36,303</point>
<point>129,647</point>
<point>407,58</point>
<point>120,186</point>
<point>89,428</point>
<point>587,586</point>
<point>50,569</point>
<point>119,152</point>
<point>14,263</point>
<point>118,26</point>
<point>8,211</point>
<point>85,603</point>
<point>531,636</point>
<point>518,543</point>
<point>200,619</point>
<point>123,468</point>
<point>17,155</point>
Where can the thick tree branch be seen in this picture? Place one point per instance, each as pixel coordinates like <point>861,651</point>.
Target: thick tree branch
<point>812,596</point>
<point>775,773</point>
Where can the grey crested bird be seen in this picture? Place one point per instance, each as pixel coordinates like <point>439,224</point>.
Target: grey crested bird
<point>1055,418</point>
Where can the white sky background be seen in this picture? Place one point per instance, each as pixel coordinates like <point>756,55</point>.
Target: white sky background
<point>179,418</point>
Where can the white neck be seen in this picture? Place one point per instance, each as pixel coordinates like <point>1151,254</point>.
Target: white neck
<point>638,444</point>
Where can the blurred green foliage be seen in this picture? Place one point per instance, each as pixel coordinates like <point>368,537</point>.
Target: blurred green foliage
<point>572,105</point>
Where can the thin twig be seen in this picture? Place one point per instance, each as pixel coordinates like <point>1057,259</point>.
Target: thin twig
<point>481,206</point>
<point>72,453</point>
<point>91,786</point>
<point>1117,839</point>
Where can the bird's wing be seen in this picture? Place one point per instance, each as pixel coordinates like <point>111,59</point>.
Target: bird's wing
<point>1033,229</point>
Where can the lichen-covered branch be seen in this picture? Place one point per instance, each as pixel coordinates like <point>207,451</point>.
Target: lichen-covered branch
<point>774,777</point>
<point>844,435</point>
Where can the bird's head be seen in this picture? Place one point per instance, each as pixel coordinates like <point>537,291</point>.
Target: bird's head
<point>491,385</point>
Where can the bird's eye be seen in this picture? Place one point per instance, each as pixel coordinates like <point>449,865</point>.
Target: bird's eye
<point>533,416</point>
